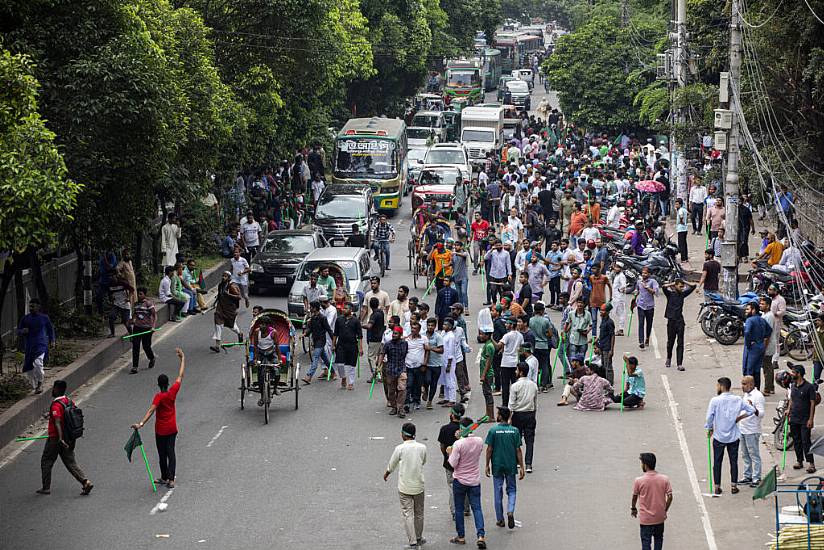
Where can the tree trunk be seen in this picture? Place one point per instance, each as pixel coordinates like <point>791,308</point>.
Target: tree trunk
<point>37,277</point>
<point>137,256</point>
<point>8,275</point>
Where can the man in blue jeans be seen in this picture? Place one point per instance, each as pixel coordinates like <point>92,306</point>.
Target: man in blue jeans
<point>503,453</point>
<point>465,459</point>
<point>317,328</point>
<point>651,500</point>
<point>382,234</point>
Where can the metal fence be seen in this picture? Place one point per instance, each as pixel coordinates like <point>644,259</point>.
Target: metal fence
<point>59,276</point>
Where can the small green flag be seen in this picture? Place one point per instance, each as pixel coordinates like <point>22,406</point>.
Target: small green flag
<point>767,485</point>
<point>133,443</point>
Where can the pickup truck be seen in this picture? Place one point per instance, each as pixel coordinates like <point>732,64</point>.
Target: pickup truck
<point>482,131</point>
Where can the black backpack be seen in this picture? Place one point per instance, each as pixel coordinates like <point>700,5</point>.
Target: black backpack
<point>72,421</point>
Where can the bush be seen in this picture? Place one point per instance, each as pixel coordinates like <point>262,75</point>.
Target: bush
<point>13,387</point>
<point>73,323</point>
<point>200,227</point>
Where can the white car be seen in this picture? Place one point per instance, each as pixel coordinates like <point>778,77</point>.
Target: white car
<point>452,154</point>
<point>525,75</point>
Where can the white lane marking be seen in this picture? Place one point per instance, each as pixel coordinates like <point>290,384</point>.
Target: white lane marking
<point>218,434</point>
<point>654,341</point>
<point>685,451</point>
<point>163,500</point>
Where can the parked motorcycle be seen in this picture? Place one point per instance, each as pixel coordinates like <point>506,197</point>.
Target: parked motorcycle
<point>663,265</point>
<point>712,310</point>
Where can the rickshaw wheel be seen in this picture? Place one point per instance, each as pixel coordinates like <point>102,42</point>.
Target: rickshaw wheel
<point>411,249</point>
<point>264,394</point>
<point>242,387</point>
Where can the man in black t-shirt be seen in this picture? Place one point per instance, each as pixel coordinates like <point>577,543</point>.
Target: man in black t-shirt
<point>447,438</point>
<point>356,239</point>
<point>801,413</point>
<point>347,344</point>
<point>375,328</point>
<point>710,272</point>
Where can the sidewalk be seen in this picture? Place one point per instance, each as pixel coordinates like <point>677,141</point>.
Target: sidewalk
<point>30,409</point>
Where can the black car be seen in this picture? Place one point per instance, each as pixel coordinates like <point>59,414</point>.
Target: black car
<point>340,206</point>
<point>276,264</point>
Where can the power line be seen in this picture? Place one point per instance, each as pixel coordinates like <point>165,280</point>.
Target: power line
<point>813,12</point>
<point>758,26</point>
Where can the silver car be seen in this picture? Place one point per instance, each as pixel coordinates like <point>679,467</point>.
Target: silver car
<point>356,263</point>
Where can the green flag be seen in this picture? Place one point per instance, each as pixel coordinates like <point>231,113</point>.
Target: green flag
<point>133,443</point>
<point>767,485</point>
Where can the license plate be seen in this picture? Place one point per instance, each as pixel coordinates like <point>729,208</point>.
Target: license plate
<point>279,280</point>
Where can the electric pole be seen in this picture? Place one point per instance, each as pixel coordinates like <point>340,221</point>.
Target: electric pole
<point>680,167</point>
<point>729,248</point>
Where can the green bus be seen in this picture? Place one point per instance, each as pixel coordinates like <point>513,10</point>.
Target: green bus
<point>492,68</point>
<point>464,79</point>
<point>373,151</point>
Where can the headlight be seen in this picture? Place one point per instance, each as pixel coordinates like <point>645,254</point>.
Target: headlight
<point>257,268</point>
<point>296,298</point>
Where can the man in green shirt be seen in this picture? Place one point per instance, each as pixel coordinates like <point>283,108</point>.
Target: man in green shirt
<point>541,328</point>
<point>577,329</point>
<point>503,453</point>
<point>327,282</point>
<point>487,371</point>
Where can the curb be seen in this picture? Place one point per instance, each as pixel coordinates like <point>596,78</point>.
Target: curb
<point>30,409</point>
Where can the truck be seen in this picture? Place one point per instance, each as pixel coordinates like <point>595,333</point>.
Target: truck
<point>482,131</point>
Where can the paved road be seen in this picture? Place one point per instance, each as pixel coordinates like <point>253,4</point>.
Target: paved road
<point>312,477</point>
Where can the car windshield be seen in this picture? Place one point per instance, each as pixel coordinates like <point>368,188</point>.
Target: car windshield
<point>414,155</point>
<point>445,156</point>
<point>349,268</point>
<point>289,244</point>
<point>478,135</point>
<point>418,133</point>
<point>426,121</point>
<point>439,177</point>
<point>366,158</point>
<point>462,78</point>
<point>331,206</point>
<point>517,86</point>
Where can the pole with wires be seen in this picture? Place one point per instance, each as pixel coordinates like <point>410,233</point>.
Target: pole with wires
<point>729,248</point>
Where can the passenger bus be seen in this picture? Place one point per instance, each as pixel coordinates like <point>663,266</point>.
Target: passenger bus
<point>507,44</point>
<point>373,151</point>
<point>492,68</point>
<point>464,78</point>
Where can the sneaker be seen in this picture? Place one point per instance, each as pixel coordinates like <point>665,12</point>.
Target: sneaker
<point>401,414</point>
<point>745,481</point>
<point>510,521</point>
<point>152,362</point>
<point>393,412</point>
<point>641,346</point>
<point>39,389</point>
<point>667,364</point>
<point>681,367</point>
<point>133,370</point>
<point>529,468</point>
<point>755,483</point>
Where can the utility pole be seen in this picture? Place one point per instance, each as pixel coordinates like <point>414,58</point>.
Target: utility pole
<point>729,248</point>
<point>679,169</point>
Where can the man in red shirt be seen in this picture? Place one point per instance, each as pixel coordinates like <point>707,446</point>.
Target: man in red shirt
<point>652,493</point>
<point>59,443</point>
<point>480,231</point>
<point>163,406</point>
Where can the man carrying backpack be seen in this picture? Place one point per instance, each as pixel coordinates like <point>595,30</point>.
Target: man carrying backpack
<point>65,426</point>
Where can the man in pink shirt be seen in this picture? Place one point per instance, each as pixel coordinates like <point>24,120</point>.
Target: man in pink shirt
<point>652,493</point>
<point>465,459</point>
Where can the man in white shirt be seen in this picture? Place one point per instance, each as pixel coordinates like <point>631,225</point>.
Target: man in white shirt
<point>409,459</point>
<point>698,194</point>
<point>509,345</point>
<point>523,402</point>
<point>170,234</point>
<point>531,361</point>
<point>331,313</point>
<point>250,233</point>
<point>448,378</point>
<point>415,356</point>
<point>515,224</point>
<point>240,274</point>
<point>614,216</point>
<point>751,433</point>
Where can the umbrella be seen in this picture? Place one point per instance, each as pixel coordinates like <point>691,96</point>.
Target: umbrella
<point>650,186</point>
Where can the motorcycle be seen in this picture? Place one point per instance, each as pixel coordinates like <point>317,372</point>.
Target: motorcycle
<point>711,310</point>
<point>663,265</point>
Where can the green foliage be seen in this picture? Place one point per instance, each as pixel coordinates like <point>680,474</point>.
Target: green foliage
<point>73,323</point>
<point>36,196</point>
<point>13,387</point>
<point>201,228</point>
<point>594,71</point>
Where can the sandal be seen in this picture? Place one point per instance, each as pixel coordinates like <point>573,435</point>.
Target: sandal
<point>171,484</point>
<point>456,540</point>
<point>161,481</point>
<point>797,466</point>
<point>87,487</point>
<point>811,469</point>
<point>734,490</point>
<point>306,380</point>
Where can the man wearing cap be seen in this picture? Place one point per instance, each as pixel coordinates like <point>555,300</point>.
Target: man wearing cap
<point>503,459</point>
<point>448,377</point>
<point>801,413</point>
<point>393,357</point>
<point>409,459</point>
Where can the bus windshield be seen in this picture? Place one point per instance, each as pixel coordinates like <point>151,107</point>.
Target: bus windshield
<point>418,133</point>
<point>463,78</point>
<point>366,158</point>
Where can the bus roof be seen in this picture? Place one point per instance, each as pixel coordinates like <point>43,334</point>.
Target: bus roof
<point>375,126</point>
<point>463,64</point>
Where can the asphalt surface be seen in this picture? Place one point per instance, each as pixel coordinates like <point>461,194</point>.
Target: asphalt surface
<point>312,478</point>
